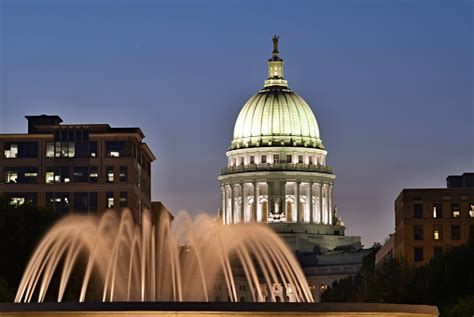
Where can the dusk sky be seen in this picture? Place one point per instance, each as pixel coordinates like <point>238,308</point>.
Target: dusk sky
<point>390,82</point>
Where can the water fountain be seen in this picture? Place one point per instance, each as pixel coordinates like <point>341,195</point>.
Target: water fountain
<point>158,269</point>
<point>156,262</point>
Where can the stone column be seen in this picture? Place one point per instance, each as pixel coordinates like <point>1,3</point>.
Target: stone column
<point>298,211</point>
<point>232,203</point>
<point>242,202</point>
<point>330,204</point>
<point>223,211</point>
<point>255,201</point>
<point>321,211</point>
<point>311,218</point>
<point>283,199</point>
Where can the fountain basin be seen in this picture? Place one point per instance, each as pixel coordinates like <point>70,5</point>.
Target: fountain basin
<point>191,309</point>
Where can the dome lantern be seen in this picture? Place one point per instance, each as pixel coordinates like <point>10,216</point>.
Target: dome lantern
<point>275,67</point>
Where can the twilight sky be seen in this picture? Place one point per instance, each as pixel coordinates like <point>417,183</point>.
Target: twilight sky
<point>391,84</point>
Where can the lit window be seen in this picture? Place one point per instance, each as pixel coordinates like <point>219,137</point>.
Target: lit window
<point>436,234</point>
<point>455,210</point>
<point>11,177</point>
<point>110,174</point>
<point>49,149</point>
<point>123,174</point>
<point>471,210</point>
<point>93,174</point>
<point>114,154</point>
<point>109,200</point>
<point>323,288</point>
<point>49,179</point>
<point>11,151</point>
<point>17,201</point>
<point>437,211</point>
<point>122,200</point>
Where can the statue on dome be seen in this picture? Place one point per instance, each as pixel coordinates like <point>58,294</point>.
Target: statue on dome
<point>275,44</point>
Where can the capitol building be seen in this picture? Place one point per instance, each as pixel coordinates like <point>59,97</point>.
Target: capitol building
<point>277,174</point>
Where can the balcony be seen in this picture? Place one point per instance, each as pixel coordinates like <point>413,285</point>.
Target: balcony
<point>276,167</point>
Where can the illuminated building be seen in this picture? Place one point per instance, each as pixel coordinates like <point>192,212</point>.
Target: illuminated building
<point>277,174</point>
<point>76,167</point>
<point>429,221</point>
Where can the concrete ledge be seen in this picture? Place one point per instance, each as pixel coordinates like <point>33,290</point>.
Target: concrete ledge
<point>190,309</point>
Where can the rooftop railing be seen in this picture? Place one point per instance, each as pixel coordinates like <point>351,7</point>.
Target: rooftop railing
<point>300,167</point>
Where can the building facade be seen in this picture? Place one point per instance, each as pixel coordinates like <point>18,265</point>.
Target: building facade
<point>277,174</point>
<point>430,221</point>
<point>76,167</point>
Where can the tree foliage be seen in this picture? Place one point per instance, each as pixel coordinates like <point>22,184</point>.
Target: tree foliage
<point>446,281</point>
<point>21,228</point>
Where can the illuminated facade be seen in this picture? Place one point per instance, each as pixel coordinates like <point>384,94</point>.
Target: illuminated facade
<point>76,167</point>
<point>430,221</point>
<point>277,174</point>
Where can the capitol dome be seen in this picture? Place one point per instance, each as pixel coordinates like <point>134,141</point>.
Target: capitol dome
<point>276,115</point>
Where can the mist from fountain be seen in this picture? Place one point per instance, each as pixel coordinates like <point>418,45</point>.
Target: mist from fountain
<point>155,261</point>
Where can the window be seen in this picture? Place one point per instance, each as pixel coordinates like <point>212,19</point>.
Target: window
<point>437,252</point>
<point>93,201</point>
<point>242,288</point>
<point>276,158</point>
<point>300,158</point>
<point>123,174</point>
<point>20,175</point>
<point>455,210</point>
<point>288,158</point>
<point>11,150</point>
<point>264,159</point>
<point>57,175</point>
<point>252,159</point>
<point>310,159</point>
<point>93,174</point>
<point>81,174</point>
<point>418,232</point>
<point>60,149</point>
<point>109,200</point>
<point>119,148</point>
<point>418,210</point>
<point>455,232</point>
<point>242,160</point>
<point>110,174</point>
<point>18,199</point>
<point>58,201</point>
<point>123,200</point>
<point>92,148</point>
<point>80,200</point>
<point>418,254</point>
<point>471,210</point>
<point>20,150</point>
<point>234,162</point>
<point>437,232</point>
<point>437,211</point>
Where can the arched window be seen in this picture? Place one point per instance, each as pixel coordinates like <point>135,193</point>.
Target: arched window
<point>277,299</point>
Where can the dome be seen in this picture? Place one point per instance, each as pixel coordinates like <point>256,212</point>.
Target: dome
<point>276,115</point>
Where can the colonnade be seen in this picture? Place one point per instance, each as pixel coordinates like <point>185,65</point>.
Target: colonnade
<point>277,201</point>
